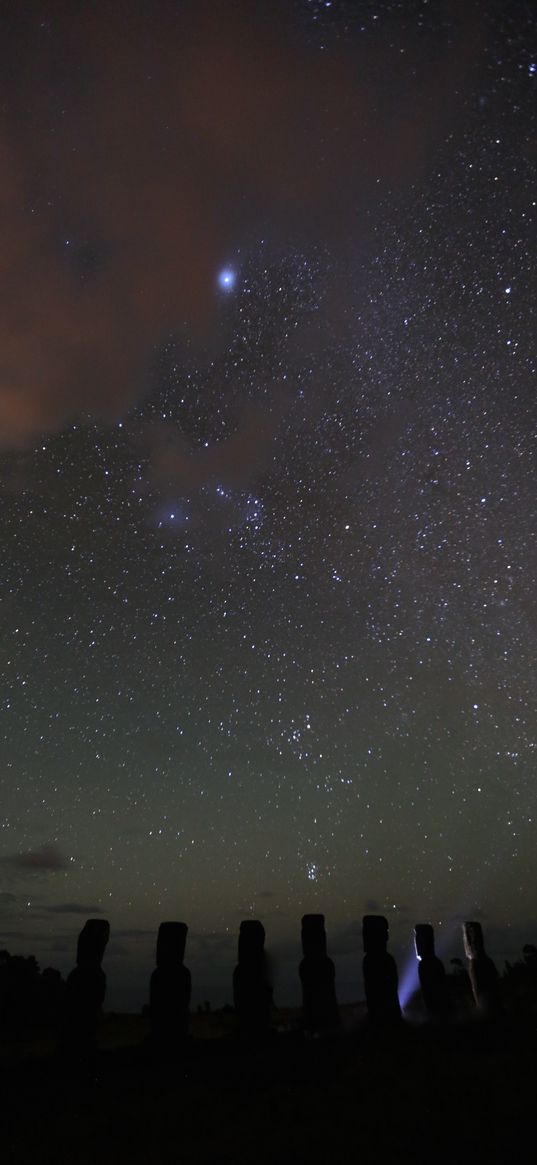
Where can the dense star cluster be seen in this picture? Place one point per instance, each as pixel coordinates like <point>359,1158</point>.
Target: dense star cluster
<point>269,632</point>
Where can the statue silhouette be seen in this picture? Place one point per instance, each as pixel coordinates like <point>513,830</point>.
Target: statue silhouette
<point>170,989</point>
<point>317,976</point>
<point>380,973</point>
<point>484,977</point>
<point>84,993</point>
<point>432,976</point>
<point>252,991</point>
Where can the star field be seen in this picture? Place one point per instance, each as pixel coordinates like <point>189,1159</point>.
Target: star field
<point>269,630</point>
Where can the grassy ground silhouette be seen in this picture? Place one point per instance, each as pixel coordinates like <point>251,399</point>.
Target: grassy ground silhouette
<point>466,1093</point>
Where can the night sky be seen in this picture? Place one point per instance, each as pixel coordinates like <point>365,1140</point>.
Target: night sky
<point>268,487</point>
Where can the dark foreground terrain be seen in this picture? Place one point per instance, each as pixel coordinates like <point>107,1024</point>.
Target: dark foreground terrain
<point>465,1094</point>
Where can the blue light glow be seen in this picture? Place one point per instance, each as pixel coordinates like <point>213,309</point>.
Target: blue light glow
<point>409,982</point>
<point>226,279</point>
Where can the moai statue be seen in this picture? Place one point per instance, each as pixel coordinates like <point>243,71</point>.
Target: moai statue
<point>252,991</point>
<point>170,989</point>
<point>84,993</point>
<point>432,976</point>
<point>317,975</point>
<point>380,973</point>
<point>483,974</point>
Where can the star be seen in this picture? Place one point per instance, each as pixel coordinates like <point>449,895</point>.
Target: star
<point>227,279</point>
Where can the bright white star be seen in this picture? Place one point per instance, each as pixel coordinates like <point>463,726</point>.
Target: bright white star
<point>226,279</point>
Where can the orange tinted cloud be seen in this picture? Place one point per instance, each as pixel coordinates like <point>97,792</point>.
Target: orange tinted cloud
<point>157,143</point>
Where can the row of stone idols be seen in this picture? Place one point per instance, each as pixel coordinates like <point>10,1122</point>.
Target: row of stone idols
<point>170,988</point>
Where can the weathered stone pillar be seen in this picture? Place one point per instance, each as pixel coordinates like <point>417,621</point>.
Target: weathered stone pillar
<point>317,975</point>
<point>380,973</point>
<point>84,994</point>
<point>170,989</point>
<point>252,990</point>
<point>432,976</point>
<point>483,974</point>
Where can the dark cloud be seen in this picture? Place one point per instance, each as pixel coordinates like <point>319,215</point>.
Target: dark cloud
<point>371,906</point>
<point>131,943</point>
<point>137,154</point>
<point>346,940</point>
<point>474,913</point>
<point>117,950</point>
<point>135,934</point>
<point>74,908</point>
<point>47,857</point>
<point>7,899</point>
<point>62,945</point>
<point>177,463</point>
<point>33,938</point>
<point>210,948</point>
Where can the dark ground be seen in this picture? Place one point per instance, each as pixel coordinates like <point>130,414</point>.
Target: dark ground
<point>465,1094</point>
